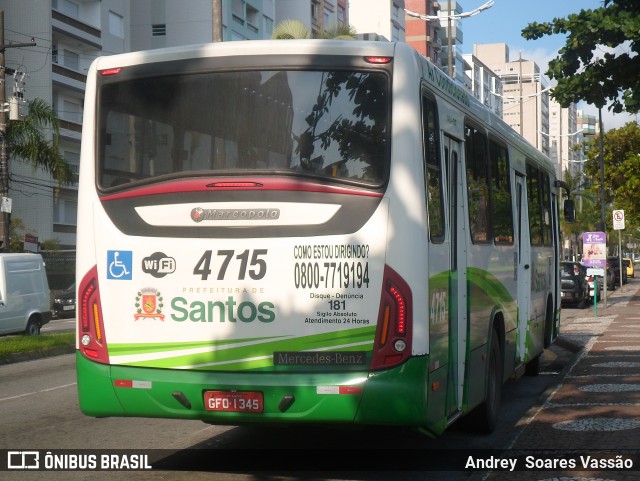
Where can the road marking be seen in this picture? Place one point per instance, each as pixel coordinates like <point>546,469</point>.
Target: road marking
<point>610,388</point>
<point>37,392</point>
<point>577,479</point>
<point>597,424</point>
<point>614,364</point>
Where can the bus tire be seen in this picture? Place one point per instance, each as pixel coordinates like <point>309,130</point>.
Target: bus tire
<point>484,418</point>
<point>33,327</point>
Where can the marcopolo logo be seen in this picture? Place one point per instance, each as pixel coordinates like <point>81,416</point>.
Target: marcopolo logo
<point>198,214</point>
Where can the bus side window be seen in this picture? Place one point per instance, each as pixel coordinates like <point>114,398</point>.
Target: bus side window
<point>534,197</point>
<point>477,184</point>
<point>502,215</point>
<point>432,171</point>
<point>546,210</point>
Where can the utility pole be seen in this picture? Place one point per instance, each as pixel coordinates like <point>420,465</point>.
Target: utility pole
<point>4,164</point>
<point>5,218</point>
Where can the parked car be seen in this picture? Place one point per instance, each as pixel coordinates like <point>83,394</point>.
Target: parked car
<point>629,265</point>
<point>614,263</point>
<point>610,284</point>
<point>591,282</point>
<point>64,304</point>
<point>611,279</point>
<point>25,305</point>
<point>575,288</point>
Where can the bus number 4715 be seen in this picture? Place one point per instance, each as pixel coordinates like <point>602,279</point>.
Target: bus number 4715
<point>250,262</point>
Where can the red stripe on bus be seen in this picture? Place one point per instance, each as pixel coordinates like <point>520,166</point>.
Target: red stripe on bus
<point>241,184</point>
<point>350,389</point>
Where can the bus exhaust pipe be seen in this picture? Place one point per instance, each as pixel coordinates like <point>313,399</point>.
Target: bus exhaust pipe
<point>181,398</point>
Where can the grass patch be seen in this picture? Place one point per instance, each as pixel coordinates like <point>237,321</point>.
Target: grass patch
<point>22,343</point>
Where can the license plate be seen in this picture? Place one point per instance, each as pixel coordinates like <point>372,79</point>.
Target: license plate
<point>234,401</point>
<point>68,308</point>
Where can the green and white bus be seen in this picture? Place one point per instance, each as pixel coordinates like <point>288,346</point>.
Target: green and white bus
<point>306,232</point>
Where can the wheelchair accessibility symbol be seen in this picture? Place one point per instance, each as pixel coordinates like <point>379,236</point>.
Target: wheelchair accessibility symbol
<point>119,265</point>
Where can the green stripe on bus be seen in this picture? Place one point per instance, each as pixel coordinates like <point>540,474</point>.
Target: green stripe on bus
<point>259,353</point>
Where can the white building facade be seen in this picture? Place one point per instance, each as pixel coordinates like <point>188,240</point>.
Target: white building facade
<point>67,35</point>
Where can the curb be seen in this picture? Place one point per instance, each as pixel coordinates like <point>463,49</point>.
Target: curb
<point>567,344</point>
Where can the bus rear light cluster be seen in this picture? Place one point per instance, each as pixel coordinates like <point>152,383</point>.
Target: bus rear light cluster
<point>377,60</point>
<point>90,324</point>
<point>110,71</point>
<point>393,335</point>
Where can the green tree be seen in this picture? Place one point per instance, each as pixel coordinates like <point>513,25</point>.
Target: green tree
<point>28,141</point>
<point>584,69</point>
<point>294,29</point>
<point>579,189</point>
<point>622,170</point>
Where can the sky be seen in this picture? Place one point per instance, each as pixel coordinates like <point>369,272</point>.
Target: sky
<point>503,23</point>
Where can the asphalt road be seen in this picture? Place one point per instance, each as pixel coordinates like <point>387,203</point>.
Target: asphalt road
<point>39,411</point>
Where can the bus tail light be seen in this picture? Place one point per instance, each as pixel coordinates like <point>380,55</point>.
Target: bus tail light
<point>91,335</point>
<point>393,335</point>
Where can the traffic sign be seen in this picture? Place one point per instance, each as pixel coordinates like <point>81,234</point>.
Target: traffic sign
<point>618,220</point>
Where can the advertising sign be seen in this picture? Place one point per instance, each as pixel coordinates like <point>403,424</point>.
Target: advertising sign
<point>594,248</point>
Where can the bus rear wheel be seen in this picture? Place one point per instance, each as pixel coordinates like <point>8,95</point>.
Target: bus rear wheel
<point>484,418</point>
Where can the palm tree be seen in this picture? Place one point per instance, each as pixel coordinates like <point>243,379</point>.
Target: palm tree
<point>294,29</point>
<point>290,30</point>
<point>27,142</point>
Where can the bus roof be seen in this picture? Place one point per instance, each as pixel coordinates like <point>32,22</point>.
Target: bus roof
<point>250,47</point>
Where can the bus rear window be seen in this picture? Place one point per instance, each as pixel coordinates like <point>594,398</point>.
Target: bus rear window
<point>327,124</point>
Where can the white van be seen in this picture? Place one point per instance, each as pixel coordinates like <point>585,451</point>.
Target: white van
<point>25,304</point>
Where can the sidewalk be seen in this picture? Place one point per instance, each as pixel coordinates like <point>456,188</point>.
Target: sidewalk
<point>595,409</point>
<point>576,332</point>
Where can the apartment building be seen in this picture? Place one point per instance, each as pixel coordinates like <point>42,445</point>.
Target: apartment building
<point>315,14</point>
<point>525,93</point>
<point>167,23</point>
<point>485,84</point>
<point>68,35</point>
<point>565,139</point>
<point>425,36</point>
<point>375,19</point>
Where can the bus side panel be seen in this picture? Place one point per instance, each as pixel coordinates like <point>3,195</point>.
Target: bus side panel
<point>96,394</point>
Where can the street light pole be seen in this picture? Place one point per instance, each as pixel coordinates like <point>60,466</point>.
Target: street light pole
<point>602,213</point>
<point>601,135</point>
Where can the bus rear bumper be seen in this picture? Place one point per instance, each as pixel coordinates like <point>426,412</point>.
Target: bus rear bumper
<point>392,397</point>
